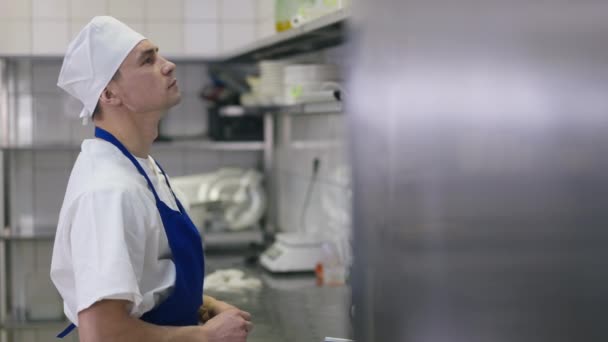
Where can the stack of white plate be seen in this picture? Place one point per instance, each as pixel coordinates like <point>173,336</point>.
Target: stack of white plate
<point>301,80</point>
<point>271,80</point>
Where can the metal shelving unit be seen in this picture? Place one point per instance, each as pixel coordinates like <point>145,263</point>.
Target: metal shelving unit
<point>324,32</point>
<point>184,144</point>
<point>297,109</point>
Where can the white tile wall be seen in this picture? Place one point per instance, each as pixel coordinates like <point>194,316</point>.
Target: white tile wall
<point>16,9</point>
<point>265,9</point>
<point>15,36</point>
<point>201,38</point>
<point>265,28</point>
<point>201,9</point>
<point>181,27</point>
<point>50,36</point>
<point>87,9</point>
<point>133,10</point>
<point>237,34</point>
<point>164,10</point>
<point>77,24</point>
<point>50,9</point>
<point>239,9</point>
<point>167,36</point>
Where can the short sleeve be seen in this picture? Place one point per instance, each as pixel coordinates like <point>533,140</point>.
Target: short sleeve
<point>107,241</point>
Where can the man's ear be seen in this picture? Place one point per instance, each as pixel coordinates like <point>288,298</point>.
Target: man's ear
<point>108,97</point>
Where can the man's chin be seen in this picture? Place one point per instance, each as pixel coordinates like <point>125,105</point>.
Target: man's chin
<point>176,100</point>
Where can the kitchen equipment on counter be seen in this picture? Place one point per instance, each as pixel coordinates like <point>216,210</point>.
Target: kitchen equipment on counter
<point>293,252</point>
<point>228,199</point>
<point>186,189</point>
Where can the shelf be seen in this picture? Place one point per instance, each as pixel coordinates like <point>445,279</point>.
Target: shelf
<point>58,58</point>
<point>8,236</point>
<point>212,145</point>
<point>298,109</point>
<point>42,325</point>
<point>184,144</point>
<point>324,32</point>
<point>50,147</point>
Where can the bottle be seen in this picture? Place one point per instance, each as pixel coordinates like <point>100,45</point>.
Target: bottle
<point>281,15</point>
<point>332,266</point>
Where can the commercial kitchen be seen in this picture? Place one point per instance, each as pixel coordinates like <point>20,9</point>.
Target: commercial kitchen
<point>355,170</point>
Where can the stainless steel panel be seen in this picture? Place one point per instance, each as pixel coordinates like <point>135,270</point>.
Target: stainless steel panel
<point>4,102</point>
<point>480,153</point>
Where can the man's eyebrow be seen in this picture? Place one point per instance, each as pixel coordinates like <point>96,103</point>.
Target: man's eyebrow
<point>144,54</point>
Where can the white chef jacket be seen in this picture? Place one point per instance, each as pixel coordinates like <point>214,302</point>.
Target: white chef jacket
<point>110,241</point>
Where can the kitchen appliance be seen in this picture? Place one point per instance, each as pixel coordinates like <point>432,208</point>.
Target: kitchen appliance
<point>293,252</point>
<point>229,199</point>
<point>234,128</point>
<point>316,81</point>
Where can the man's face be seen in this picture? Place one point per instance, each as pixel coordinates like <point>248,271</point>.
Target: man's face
<point>146,81</point>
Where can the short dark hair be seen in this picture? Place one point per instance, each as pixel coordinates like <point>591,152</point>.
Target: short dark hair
<point>97,107</point>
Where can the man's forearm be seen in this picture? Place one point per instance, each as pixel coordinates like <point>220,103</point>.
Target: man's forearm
<point>109,321</point>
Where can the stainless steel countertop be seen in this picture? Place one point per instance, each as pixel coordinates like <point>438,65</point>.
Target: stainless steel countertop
<point>287,308</point>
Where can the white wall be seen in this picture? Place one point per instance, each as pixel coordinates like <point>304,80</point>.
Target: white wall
<point>191,28</point>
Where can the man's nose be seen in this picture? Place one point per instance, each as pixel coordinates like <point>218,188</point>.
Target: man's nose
<point>168,68</point>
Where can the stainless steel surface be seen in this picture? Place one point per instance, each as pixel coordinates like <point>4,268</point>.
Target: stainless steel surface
<point>3,263</point>
<point>480,152</point>
<point>269,179</point>
<point>3,282</point>
<point>315,35</point>
<point>289,307</point>
<point>161,145</point>
<point>4,98</point>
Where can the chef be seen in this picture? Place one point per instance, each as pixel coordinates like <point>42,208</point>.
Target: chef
<point>127,260</point>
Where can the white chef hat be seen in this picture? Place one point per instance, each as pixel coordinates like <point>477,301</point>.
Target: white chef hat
<point>92,59</point>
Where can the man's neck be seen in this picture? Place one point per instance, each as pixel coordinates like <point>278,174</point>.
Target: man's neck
<point>136,132</point>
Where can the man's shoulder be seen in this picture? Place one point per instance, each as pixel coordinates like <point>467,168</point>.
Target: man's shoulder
<point>100,168</point>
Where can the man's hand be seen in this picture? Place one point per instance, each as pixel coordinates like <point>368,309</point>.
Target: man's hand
<point>231,325</point>
<point>212,307</point>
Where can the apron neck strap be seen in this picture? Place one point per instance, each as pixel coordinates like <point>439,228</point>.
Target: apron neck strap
<point>107,136</point>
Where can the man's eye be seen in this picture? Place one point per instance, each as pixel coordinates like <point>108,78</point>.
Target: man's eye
<point>149,60</point>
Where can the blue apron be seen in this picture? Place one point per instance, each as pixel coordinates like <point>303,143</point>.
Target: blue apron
<point>181,307</point>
